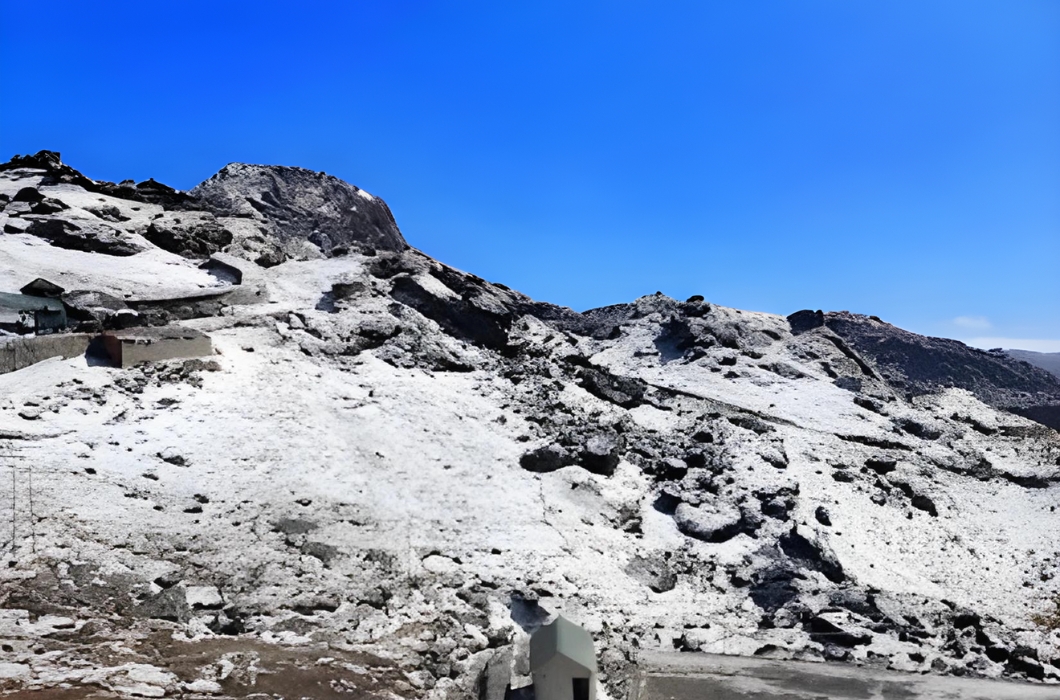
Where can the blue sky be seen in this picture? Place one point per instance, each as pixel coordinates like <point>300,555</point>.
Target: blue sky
<point>892,158</point>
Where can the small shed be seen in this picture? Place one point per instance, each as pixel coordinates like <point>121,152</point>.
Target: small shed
<point>41,287</point>
<point>135,345</point>
<point>563,662</point>
<point>21,313</point>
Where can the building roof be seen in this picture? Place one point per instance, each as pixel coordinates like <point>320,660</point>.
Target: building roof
<point>156,333</point>
<point>23,302</point>
<point>41,287</point>
<point>562,638</point>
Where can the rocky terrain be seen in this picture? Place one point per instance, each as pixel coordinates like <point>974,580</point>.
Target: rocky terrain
<point>392,471</point>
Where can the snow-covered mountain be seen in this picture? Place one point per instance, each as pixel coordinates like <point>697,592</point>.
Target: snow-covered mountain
<point>391,471</point>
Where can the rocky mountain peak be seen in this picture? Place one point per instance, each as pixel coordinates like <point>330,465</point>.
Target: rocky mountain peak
<point>296,203</point>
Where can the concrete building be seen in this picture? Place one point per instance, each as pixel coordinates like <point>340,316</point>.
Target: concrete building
<point>563,662</point>
<point>135,345</point>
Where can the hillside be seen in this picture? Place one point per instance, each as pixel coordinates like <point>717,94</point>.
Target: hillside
<point>391,470</point>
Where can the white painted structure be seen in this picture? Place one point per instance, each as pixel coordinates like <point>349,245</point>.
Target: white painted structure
<point>563,662</point>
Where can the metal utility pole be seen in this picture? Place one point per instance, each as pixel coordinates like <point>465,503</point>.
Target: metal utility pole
<point>14,502</point>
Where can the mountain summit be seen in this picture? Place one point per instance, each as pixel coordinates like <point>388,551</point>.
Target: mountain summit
<point>295,203</point>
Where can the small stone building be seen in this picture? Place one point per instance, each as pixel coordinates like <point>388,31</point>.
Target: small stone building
<point>563,662</point>
<point>135,345</point>
<point>22,313</point>
<point>41,287</point>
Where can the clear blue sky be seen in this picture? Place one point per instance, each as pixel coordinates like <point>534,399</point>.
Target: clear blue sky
<point>892,158</point>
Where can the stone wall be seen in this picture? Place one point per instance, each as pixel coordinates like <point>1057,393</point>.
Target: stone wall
<point>18,353</point>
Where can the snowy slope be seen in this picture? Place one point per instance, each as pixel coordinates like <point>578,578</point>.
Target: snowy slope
<point>392,471</point>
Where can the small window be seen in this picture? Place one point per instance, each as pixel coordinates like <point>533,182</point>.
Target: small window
<point>581,688</point>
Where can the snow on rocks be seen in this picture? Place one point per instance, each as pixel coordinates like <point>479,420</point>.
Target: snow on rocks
<point>405,469</point>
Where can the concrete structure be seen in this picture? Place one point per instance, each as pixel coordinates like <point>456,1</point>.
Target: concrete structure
<point>17,353</point>
<point>21,313</point>
<point>563,662</point>
<point>691,676</point>
<point>135,345</point>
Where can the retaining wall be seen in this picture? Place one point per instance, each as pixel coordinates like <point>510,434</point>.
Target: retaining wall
<point>17,353</point>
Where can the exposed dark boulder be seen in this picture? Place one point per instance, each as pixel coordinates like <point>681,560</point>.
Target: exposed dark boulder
<point>87,237</point>
<point>601,454</point>
<point>545,459</point>
<point>917,500</point>
<point>108,213</point>
<point>774,587</point>
<point>461,318</point>
<point>28,194</point>
<point>881,465</point>
<point>627,392</point>
<point>42,288</point>
<point>805,320</point>
<point>188,234</point>
<point>671,469</point>
<point>822,516</point>
<point>348,290</point>
<point>811,556</point>
<point>48,205</point>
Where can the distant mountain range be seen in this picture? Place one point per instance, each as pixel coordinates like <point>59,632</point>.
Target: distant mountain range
<point>1049,361</point>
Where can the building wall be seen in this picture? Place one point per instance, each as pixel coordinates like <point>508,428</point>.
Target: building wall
<point>552,680</point>
<point>17,353</point>
<point>133,351</point>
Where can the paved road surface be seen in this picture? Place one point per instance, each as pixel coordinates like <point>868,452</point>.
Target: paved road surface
<point>676,676</point>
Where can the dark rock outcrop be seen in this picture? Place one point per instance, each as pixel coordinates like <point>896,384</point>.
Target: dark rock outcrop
<point>90,238</point>
<point>57,172</point>
<point>811,555</point>
<point>189,234</point>
<point>545,459</point>
<point>915,364</point>
<point>805,320</point>
<point>601,454</point>
<point>462,318</point>
<point>295,203</point>
<point>93,310</point>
